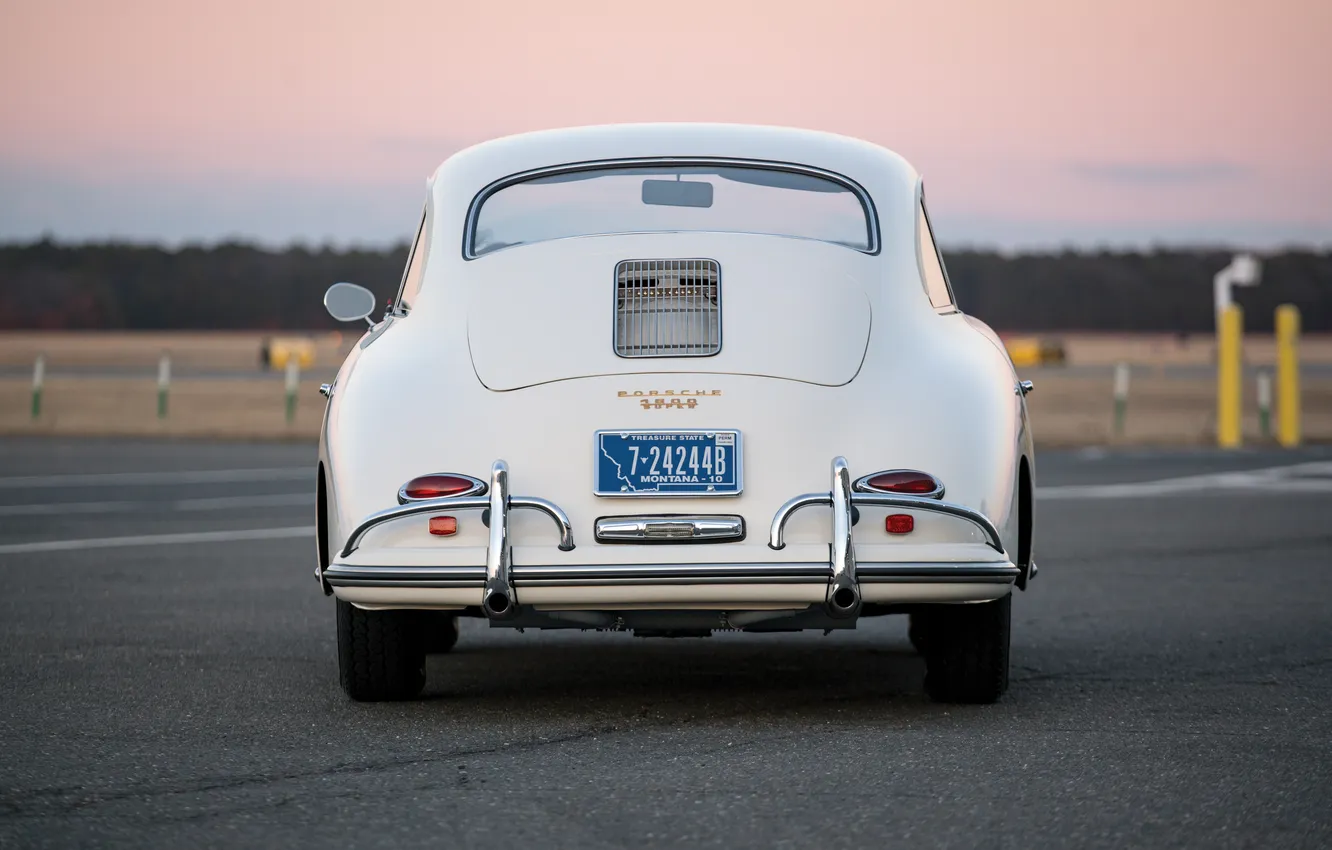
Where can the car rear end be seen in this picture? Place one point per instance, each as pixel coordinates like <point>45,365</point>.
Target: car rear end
<point>673,429</point>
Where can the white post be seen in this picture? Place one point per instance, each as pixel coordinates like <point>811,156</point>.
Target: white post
<point>1121,395</point>
<point>163,383</point>
<point>1265,403</point>
<point>38,381</point>
<point>293,383</point>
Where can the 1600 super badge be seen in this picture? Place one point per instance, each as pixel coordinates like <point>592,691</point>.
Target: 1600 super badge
<point>667,399</point>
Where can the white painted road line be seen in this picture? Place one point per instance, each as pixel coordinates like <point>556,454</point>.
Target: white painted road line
<point>1313,477</point>
<point>199,476</point>
<point>159,539</point>
<point>72,508</point>
<point>274,500</point>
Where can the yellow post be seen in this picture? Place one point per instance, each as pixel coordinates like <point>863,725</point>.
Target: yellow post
<point>1229,343</point>
<point>1288,375</point>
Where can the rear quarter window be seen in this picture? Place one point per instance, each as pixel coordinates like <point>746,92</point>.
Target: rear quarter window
<point>933,273</point>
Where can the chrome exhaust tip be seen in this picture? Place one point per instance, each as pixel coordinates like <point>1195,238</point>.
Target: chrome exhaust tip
<point>498,605</point>
<point>843,602</point>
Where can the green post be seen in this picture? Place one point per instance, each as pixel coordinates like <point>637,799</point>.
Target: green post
<point>163,384</point>
<point>38,381</point>
<point>1121,397</point>
<point>1265,404</point>
<point>293,383</point>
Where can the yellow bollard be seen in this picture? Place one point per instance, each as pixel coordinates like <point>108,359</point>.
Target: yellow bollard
<point>1288,375</point>
<point>1229,346</point>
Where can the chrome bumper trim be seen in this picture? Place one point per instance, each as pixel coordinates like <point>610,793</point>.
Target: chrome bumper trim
<point>916,503</point>
<point>809,500</point>
<point>498,601</point>
<point>815,572</point>
<point>843,590</point>
<point>462,503</point>
<point>670,528</point>
<point>343,575</point>
<point>429,506</point>
<point>552,510</point>
<point>799,573</point>
<point>998,572</point>
<point>777,534</point>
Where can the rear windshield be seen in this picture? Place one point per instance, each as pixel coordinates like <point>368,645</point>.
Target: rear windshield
<point>671,199</point>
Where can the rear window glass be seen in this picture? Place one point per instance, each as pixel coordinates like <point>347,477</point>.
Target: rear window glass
<point>671,199</point>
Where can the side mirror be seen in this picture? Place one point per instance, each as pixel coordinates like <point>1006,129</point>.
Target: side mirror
<point>348,302</point>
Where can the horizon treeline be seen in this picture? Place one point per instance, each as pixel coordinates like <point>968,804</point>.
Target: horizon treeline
<point>235,286</point>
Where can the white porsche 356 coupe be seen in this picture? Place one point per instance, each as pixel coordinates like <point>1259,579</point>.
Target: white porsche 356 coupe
<point>673,379</point>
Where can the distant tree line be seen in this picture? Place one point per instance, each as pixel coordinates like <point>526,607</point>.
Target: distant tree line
<point>45,285</point>
<point>1163,290</point>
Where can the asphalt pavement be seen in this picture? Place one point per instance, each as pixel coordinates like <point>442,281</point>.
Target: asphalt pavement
<point>168,680</point>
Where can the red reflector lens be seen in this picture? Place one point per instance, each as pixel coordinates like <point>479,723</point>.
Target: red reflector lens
<point>437,486</point>
<point>904,481</point>
<point>444,526</point>
<point>899,523</point>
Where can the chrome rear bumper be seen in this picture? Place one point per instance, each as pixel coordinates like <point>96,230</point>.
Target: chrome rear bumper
<point>501,581</point>
<point>994,572</point>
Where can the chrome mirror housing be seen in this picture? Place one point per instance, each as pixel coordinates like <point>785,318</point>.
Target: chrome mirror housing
<point>348,302</point>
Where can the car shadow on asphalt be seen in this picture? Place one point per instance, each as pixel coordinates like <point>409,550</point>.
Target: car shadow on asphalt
<point>687,676</point>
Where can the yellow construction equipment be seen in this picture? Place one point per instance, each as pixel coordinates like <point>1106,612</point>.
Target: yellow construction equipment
<point>282,349</point>
<point>1032,351</point>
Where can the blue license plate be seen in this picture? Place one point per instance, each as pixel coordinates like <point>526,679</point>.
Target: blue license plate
<point>668,463</point>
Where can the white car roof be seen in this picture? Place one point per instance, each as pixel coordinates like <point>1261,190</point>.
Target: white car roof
<point>886,176</point>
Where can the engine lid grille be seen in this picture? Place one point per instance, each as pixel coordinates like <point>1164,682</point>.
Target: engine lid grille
<point>667,308</point>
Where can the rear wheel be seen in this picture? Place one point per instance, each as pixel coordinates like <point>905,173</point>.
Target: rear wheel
<point>441,631</point>
<point>919,622</point>
<point>965,649</point>
<point>381,654</point>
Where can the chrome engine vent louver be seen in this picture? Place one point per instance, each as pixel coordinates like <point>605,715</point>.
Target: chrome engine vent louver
<point>667,308</point>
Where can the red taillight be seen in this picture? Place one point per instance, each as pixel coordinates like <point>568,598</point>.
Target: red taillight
<point>439,486</point>
<point>905,482</point>
<point>899,523</point>
<point>444,526</point>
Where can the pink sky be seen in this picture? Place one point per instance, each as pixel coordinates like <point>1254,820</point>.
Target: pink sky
<point>1033,120</point>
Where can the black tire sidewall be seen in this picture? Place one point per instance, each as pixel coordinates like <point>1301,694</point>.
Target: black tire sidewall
<point>381,654</point>
<point>966,649</point>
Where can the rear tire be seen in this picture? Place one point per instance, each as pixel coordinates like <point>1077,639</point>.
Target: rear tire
<point>441,631</point>
<point>381,654</point>
<point>966,650</point>
<point>919,623</point>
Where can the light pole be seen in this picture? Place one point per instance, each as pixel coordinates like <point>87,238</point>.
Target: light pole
<point>1244,270</point>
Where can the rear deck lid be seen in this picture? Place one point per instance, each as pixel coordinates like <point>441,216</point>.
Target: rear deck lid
<point>658,303</point>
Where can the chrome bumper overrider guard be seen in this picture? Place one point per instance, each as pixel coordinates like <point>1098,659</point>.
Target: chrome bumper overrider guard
<point>844,590</point>
<point>498,601</point>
